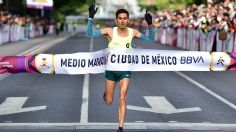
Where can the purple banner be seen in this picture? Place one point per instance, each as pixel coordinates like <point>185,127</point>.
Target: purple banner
<point>17,64</point>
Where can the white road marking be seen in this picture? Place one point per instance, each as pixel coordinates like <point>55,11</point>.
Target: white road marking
<point>207,90</point>
<point>109,126</point>
<point>84,107</point>
<point>3,76</point>
<point>164,126</point>
<point>85,95</point>
<point>91,44</point>
<point>42,47</point>
<point>38,49</point>
<point>14,105</point>
<point>160,104</point>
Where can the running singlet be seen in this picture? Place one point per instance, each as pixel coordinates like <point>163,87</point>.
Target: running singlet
<point>121,42</point>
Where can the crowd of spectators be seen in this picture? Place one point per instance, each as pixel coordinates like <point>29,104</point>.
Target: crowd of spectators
<point>25,21</point>
<point>15,27</point>
<point>209,26</point>
<point>216,15</point>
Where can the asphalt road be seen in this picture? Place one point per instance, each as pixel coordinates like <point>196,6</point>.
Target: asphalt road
<point>157,101</point>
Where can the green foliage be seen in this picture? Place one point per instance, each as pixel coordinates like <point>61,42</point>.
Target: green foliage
<point>172,4</point>
<point>162,4</point>
<point>70,7</point>
<point>59,16</point>
<point>167,4</point>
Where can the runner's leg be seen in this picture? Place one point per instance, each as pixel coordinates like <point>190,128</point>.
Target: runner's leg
<point>109,91</point>
<point>124,84</point>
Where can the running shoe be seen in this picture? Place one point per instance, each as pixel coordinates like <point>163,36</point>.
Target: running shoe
<point>120,129</point>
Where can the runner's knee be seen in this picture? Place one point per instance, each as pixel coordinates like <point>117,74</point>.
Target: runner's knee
<point>122,98</point>
<point>109,101</point>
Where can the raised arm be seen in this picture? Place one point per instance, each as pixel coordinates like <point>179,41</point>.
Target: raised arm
<point>90,32</point>
<point>150,36</point>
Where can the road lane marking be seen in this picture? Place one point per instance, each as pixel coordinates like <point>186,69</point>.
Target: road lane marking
<point>37,49</point>
<point>113,126</point>
<point>85,95</point>
<point>84,107</point>
<point>3,76</point>
<point>43,47</point>
<point>13,105</point>
<point>91,44</point>
<point>207,90</point>
<point>160,104</point>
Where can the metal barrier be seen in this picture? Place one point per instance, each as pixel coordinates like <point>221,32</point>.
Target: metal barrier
<point>195,40</point>
<point>15,32</point>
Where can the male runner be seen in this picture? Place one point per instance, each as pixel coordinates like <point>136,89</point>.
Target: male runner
<point>119,37</point>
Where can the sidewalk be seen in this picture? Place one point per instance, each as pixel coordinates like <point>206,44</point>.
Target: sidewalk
<point>15,48</point>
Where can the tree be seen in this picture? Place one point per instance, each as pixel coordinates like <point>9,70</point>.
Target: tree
<point>70,7</point>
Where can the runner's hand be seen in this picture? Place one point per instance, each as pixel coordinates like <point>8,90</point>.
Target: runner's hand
<point>148,18</point>
<point>92,11</point>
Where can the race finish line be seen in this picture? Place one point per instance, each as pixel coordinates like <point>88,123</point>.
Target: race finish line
<point>119,60</point>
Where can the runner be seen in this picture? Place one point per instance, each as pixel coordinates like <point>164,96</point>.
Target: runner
<point>118,37</point>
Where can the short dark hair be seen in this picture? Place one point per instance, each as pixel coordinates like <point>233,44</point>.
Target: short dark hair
<point>122,11</point>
